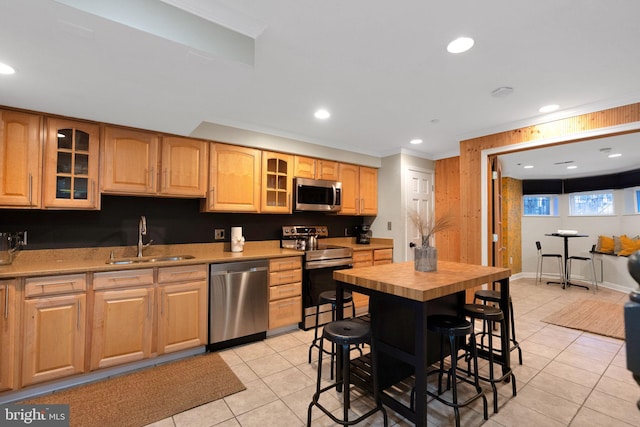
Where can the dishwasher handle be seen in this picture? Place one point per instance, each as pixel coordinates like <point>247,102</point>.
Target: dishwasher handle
<point>248,270</point>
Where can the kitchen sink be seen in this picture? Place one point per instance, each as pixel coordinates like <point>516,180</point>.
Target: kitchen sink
<point>142,260</point>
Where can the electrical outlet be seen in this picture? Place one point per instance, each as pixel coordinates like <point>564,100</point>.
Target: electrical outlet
<point>219,234</point>
<point>21,237</point>
<point>389,225</point>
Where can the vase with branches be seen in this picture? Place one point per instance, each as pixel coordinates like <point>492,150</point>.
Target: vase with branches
<point>426,255</point>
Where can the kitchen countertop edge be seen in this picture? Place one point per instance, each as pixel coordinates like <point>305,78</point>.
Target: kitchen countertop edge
<point>28,263</point>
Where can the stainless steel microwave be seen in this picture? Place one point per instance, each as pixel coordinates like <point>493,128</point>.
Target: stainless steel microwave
<point>317,195</point>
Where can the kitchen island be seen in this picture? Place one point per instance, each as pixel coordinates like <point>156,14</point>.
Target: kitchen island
<point>400,301</point>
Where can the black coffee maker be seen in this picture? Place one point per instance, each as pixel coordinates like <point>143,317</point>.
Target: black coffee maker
<point>363,234</point>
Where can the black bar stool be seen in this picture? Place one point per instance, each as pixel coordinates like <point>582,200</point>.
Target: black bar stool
<point>346,333</point>
<point>492,316</point>
<point>329,297</point>
<point>493,296</point>
<point>454,329</point>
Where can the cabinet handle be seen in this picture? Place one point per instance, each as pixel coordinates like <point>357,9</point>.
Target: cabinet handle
<point>286,304</point>
<point>164,180</point>
<point>151,177</point>
<point>357,203</point>
<point>78,319</point>
<point>115,279</point>
<point>182,273</point>
<point>56,283</point>
<point>30,190</point>
<point>361,205</point>
<point>6,300</point>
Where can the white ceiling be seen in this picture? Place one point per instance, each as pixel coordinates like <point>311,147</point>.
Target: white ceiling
<point>380,67</point>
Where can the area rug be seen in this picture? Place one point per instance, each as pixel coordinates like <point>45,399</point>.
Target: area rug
<point>149,395</point>
<point>602,318</point>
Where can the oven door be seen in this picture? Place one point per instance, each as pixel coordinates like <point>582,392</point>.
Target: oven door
<point>317,279</point>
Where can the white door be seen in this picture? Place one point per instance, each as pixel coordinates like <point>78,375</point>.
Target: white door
<point>419,191</point>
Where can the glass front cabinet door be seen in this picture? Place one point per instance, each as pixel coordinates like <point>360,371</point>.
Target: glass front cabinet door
<point>277,179</point>
<point>71,165</point>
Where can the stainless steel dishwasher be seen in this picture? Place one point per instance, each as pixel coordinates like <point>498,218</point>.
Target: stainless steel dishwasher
<point>238,303</point>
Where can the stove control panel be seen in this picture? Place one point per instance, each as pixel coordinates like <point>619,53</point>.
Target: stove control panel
<point>301,231</point>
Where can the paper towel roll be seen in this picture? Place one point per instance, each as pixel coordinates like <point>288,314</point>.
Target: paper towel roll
<point>237,239</point>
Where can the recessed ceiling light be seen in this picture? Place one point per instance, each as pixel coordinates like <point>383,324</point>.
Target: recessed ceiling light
<point>548,108</point>
<point>611,156</point>
<point>459,45</point>
<point>322,114</point>
<point>6,69</point>
<point>572,167</point>
<point>415,141</point>
<point>528,167</point>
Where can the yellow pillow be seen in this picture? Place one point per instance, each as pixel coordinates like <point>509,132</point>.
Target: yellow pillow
<point>628,246</point>
<point>605,244</point>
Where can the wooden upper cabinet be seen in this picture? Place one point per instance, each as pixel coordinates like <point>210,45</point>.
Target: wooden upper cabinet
<point>350,177</point>
<point>304,167</point>
<point>138,162</point>
<point>308,167</point>
<point>327,169</point>
<point>129,161</point>
<point>277,180</point>
<point>184,167</point>
<point>368,191</point>
<point>20,159</point>
<point>359,190</point>
<point>70,177</point>
<point>234,179</point>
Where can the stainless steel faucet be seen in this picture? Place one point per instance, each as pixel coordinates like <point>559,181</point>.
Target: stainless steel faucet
<point>142,231</point>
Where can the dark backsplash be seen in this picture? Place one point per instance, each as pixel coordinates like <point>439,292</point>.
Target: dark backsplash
<point>169,221</point>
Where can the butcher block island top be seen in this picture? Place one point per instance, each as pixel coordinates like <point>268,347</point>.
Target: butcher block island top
<point>402,280</point>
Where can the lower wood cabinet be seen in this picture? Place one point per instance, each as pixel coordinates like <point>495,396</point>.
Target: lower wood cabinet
<point>285,291</point>
<point>7,334</point>
<point>182,307</point>
<point>137,314</point>
<point>122,326</point>
<point>368,258</point>
<point>54,328</point>
<point>123,317</point>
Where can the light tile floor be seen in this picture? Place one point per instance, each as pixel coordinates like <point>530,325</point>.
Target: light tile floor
<point>569,378</point>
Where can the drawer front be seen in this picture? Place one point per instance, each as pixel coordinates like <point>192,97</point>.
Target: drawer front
<point>362,264</point>
<point>282,277</point>
<point>285,312</point>
<point>382,261</point>
<point>123,279</point>
<point>362,256</point>
<point>183,273</point>
<point>380,254</point>
<point>285,291</point>
<point>53,285</point>
<point>289,263</point>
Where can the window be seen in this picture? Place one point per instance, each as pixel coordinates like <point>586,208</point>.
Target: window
<point>591,203</point>
<point>540,205</point>
<point>631,201</point>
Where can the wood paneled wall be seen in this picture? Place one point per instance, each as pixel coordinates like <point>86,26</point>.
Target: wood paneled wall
<point>470,169</point>
<point>447,200</point>
<point>512,224</point>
